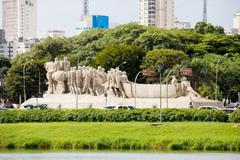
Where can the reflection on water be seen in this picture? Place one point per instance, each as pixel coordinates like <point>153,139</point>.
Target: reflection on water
<point>119,156</point>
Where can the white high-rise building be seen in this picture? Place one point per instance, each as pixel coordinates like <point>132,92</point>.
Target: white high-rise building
<point>236,22</point>
<point>157,13</point>
<point>19,19</point>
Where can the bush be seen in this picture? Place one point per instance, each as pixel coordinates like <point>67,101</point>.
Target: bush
<point>235,117</point>
<point>95,115</point>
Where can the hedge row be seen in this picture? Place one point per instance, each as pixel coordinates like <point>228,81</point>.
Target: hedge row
<point>95,115</point>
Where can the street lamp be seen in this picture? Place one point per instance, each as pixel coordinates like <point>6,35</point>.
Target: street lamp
<point>24,80</point>
<point>160,68</point>
<point>166,79</point>
<point>77,93</point>
<point>216,88</point>
<point>135,97</point>
<point>121,64</point>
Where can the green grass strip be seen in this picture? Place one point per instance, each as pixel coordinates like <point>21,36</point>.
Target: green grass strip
<point>186,136</point>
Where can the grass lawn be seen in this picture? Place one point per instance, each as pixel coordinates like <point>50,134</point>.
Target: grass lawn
<point>129,135</point>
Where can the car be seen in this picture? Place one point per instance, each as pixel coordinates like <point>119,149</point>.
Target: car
<point>228,110</point>
<point>40,106</point>
<point>210,107</point>
<point>120,107</point>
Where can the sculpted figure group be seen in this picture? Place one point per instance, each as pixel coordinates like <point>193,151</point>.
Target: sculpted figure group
<point>184,88</point>
<point>84,79</point>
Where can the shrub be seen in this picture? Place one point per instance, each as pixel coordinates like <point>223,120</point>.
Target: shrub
<point>235,116</point>
<point>96,115</point>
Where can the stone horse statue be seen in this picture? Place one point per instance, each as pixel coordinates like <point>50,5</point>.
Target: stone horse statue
<point>56,79</point>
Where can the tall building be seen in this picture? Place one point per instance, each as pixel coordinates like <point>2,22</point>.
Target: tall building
<point>157,13</point>
<point>3,44</point>
<point>236,23</point>
<point>19,19</point>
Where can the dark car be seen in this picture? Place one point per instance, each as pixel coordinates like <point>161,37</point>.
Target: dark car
<point>120,107</point>
<point>40,106</point>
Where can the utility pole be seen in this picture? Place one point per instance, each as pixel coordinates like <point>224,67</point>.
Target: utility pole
<point>85,9</point>
<point>10,50</point>
<point>205,11</point>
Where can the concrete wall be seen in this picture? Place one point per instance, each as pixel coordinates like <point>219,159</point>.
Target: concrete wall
<point>149,90</point>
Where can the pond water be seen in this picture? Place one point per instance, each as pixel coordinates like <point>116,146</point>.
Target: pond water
<point>119,156</point>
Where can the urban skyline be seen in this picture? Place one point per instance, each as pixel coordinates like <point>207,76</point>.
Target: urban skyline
<point>67,15</point>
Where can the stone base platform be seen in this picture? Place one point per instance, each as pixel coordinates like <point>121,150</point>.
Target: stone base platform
<point>69,101</point>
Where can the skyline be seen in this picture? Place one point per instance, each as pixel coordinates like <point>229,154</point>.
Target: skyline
<point>67,15</point>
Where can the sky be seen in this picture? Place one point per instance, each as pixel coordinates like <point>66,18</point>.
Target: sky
<point>65,14</point>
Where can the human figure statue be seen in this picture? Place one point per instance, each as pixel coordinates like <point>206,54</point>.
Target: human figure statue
<point>87,80</point>
<point>65,64</point>
<point>120,84</point>
<point>50,68</point>
<point>72,79</point>
<point>79,80</point>
<point>177,86</point>
<point>57,64</point>
<point>187,89</point>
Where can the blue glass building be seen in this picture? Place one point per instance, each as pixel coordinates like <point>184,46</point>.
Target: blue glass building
<point>99,21</point>
<point>94,22</point>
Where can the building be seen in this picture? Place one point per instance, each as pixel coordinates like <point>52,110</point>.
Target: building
<point>157,13</point>
<point>236,23</point>
<point>19,19</point>
<point>94,22</point>
<point>56,34</point>
<point>25,46</point>
<point>182,25</point>
<point>3,44</point>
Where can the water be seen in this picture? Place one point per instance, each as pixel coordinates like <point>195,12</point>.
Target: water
<point>119,156</point>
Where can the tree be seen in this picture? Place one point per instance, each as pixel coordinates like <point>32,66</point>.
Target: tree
<point>5,64</point>
<point>114,56</point>
<point>166,57</point>
<point>204,28</point>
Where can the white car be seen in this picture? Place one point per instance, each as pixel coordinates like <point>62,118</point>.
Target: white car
<point>210,108</point>
<point>120,107</point>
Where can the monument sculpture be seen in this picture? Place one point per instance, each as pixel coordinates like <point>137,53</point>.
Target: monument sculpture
<point>63,79</point>
<point>98,88</point>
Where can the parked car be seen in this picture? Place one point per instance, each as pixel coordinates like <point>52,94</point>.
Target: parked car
<point>40,106</point>
<point>227,110</point>
<point>120,107</point>
<point>210,107</point>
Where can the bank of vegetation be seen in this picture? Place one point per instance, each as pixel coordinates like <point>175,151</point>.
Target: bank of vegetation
<point>96,115</point>
<point>206,49</point>
<point>185,136</point>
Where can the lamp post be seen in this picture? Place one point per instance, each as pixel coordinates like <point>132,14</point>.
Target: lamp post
<point>24,80</point>
<point>121,64</point>
<point>135,96</point>
<point>160,68</point>
<point>77,93</point>
<point>166,79</point>
<point>216,88</point>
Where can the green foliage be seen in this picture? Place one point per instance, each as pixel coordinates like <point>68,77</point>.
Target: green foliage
<point>130,38</point>
<point>204,28</point>
<point>235,116</point>
<point>114,55</point>
<point>94,115</point>
<point>5,64</point>
<point>166,57</point>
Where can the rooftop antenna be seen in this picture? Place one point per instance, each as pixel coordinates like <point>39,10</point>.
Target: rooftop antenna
<point>205,11</point>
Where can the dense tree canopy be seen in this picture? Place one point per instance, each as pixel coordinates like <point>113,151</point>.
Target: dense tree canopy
<point>126,57</point>
<point>110,48</point>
